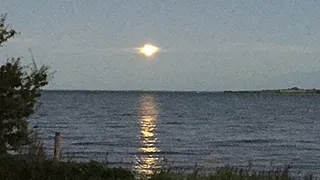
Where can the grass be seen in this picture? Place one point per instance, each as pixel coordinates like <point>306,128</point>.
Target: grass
<point>16,168</point>
<point>225,173</point>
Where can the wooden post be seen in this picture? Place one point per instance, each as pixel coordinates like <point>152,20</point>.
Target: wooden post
<point>56,155</point>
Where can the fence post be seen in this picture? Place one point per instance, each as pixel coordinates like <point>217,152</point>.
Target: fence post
<point>56,155</point>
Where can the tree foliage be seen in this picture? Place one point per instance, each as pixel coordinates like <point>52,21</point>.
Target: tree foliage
<point>5,32</point>
<point>19,89</point>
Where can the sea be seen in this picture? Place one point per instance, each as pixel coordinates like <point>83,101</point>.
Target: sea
<point>146,131</point>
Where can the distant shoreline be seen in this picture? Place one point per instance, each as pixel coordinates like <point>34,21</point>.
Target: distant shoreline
<point>281,91</point>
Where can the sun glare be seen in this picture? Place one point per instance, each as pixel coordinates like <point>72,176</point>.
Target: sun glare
<point>148,50</point>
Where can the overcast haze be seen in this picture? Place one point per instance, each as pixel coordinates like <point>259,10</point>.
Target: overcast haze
<point>207,44</point>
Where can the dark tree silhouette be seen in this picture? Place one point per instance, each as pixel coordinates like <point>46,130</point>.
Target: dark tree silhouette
<point>19,89</point>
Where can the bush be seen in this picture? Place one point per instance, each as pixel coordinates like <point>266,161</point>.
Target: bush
<point>19,90</point>
<point>18,168</point>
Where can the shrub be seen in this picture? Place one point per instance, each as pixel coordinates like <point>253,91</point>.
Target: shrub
<point>16,168</point>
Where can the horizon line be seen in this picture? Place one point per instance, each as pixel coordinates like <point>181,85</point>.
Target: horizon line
<point>197,91</point>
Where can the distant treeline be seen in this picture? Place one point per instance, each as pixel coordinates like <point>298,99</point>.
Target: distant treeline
<point>289,90</point>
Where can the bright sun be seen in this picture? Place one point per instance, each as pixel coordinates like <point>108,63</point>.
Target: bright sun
<point>148,50</point>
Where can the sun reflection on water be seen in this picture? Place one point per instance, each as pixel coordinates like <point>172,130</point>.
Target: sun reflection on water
<point>148,160</point>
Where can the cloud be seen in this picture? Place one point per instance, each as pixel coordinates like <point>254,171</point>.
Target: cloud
<point>20,40</point>
<point>282,48</point>
<point>239,47</point>
<point>90,51</point>
<point>78,47</point>
<point>264,47</point>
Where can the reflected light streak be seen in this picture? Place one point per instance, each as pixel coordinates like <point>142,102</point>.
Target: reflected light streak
<point>148,160</point>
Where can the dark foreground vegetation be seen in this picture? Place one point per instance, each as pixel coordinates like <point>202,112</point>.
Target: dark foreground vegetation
<point>18,168</point>
<point>21,168</point>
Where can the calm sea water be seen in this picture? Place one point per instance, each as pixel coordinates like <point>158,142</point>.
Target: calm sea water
<point>146,130</point>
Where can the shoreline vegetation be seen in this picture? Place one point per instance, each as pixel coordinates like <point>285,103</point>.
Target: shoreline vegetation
<point>293,90</point>
<point>14,167</point>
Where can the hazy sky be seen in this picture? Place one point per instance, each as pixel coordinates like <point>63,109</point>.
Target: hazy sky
<point>207,44</point>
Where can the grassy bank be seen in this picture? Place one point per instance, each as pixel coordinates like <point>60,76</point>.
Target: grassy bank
<point>231,173</point>
<point>16,168</point>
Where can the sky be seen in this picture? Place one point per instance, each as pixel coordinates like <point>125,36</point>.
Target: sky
<point>206,45</point>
